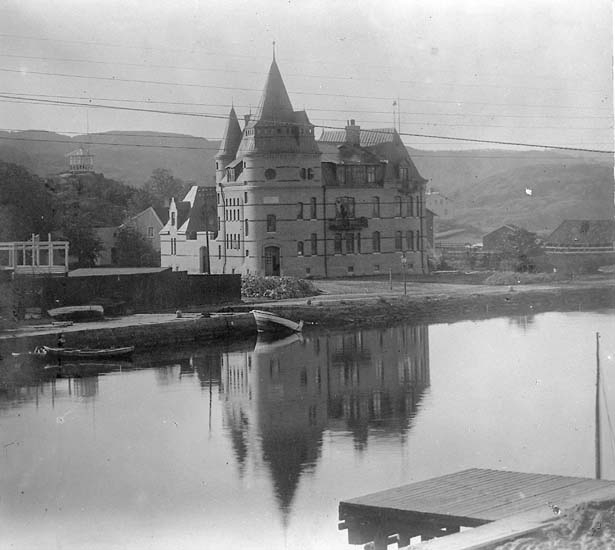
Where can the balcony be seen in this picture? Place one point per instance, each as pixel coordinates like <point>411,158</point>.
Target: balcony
<point>348,224</point>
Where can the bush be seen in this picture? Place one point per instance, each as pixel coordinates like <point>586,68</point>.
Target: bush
<point>276,288</point>
<point>515,278</point>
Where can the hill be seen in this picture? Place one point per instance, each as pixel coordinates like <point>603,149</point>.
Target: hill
<point>123,156</point>
<point>488,186</point>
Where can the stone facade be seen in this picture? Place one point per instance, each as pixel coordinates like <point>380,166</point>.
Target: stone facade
<point>351,203</point>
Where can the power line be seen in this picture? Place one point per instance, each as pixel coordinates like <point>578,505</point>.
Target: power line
<point>229,105</point>
<point>204,51</point>
<point>235,88</point>
<point>294,75</point>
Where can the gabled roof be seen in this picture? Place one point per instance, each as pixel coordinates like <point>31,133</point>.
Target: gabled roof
<point>231,138</point>
<point>275,104</point>
<point>583,232</point>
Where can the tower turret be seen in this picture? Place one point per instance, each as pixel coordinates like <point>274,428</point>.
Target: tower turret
<point>228,145</point>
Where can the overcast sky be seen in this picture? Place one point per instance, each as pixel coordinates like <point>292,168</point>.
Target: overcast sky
<point>537,71</point>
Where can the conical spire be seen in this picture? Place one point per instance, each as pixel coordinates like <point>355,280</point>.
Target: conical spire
<point>231,138</point>
<point>275,105</point>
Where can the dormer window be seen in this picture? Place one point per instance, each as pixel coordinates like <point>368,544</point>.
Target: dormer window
<point>173,219</point>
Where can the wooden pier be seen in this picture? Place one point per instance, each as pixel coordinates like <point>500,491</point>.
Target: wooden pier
<point>498,504</point>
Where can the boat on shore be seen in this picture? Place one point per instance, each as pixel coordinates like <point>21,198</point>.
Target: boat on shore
<point>272,323</point>
<point>87,353</point>
<point>77,313</point>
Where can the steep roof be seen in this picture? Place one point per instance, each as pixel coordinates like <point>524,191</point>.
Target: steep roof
<point>275,104</point>
<point>368,138</point>
<point>231,138</point>
<point>583,232</point>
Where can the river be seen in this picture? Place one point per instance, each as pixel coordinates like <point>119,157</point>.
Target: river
<point>252,445</point>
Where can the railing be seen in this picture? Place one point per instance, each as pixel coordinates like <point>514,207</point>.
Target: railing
<point>347,224</point>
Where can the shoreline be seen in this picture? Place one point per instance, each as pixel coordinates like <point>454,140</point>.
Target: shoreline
<point>354,309</point>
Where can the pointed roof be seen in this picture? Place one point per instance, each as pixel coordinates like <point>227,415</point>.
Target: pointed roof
<point>275,104</point>
<point>231,138</point>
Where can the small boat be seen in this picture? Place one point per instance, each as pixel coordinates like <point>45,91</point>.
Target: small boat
<point>77,313</point>
<point>270,322</point>
<point>88,353</point>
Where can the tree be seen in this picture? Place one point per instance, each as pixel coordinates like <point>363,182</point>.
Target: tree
<point>84,244</point>
<point>520,250</point>
<point>134,250</point>
<point>162,185</point>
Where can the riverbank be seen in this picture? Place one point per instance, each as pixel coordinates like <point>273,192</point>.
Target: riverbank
<point>342,304</point>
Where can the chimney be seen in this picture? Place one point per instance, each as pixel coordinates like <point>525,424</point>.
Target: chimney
<point>353,133</point>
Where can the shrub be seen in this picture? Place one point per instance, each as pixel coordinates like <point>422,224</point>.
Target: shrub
<point>276,288</point>
<point>516,278</point>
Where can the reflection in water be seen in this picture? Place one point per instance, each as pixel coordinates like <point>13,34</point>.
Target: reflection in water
<point>280,397</point>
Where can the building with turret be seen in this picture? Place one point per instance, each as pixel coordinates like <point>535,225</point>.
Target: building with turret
<point>350,203</point>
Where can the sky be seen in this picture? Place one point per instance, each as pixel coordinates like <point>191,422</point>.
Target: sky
<point>529,71</point>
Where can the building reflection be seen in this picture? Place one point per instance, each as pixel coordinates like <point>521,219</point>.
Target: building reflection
<point>282,396</point>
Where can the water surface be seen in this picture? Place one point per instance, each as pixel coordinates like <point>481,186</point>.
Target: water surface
<point>254,446</point>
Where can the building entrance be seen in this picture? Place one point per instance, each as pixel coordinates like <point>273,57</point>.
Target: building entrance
<point>272,261</point>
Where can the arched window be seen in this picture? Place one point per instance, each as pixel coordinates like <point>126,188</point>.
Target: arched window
<point>299,248</point>
<point>376,241</point>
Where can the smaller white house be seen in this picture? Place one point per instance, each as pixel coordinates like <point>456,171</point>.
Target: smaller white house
<point>192,226</point>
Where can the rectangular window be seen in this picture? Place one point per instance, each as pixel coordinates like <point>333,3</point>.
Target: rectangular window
<point>398,207</point>
<point>219,252</point>
<point>398,240</point>
<point>150,232</point>
<point>410,207</point>
<point>341,174</point>
<point>313,208</point>
<point>358,243</point>
<point>418,240</point>
<point>337,243</point>
<point>358,174</point>
<point>173,219</point>
<point>299,210</point>
<point>245,198</point>
<point>350,269</point>
<point>371,174</point>
<point>314,244</point>
<point>403,173</point>
<point>376,241</point>
<point>349,243</point>
<point>299,248</point>
<point>376,207</point>
<point>247,252</point>
<point>271,223</point>
<point>377,268</point>
<point>246,228</point>
<point>410,240</point>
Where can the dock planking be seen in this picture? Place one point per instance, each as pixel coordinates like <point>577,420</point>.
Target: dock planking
<point>470,498</point>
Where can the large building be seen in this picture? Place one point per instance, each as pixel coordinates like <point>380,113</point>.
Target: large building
<point>351,203</point>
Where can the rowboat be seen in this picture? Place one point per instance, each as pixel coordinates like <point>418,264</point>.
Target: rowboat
<point>270,322</point>
<point>88,353</point>
<point>75,313</point>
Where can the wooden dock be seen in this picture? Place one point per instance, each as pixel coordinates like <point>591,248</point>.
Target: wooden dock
<point>506,504</point>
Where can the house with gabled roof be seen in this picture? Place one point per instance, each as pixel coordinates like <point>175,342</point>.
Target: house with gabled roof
<point>349,203</point>
<point>582,245</point>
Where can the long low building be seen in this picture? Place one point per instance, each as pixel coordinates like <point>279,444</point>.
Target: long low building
<point>350,203</point>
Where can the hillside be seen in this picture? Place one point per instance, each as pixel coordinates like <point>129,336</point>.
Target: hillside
<point>123,156</point>
<point>488,186</point>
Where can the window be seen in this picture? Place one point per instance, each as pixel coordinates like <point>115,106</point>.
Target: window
<point>313,208</point>
<point>358,174</point>
<point>418,240</point>
<point>302,173</point>
<point>299,210</point>
<point>310,174</point>
<point>344,207</point>
<point>299,248</point>
<point>398,207</point>
<point>150,232</point>
<point>371,174</point>
<point>349,243</point>
<point>246,228</point>
<point>403,173</point>
<point>376,207</point>
<point>341,174</point>
<point>376,241</point>
<point>398,240</point>
<point>410,240</point>
<point>219,252</point>
<point>247,252</point>
<point>377,268</point>
<point>173,219</point>
<point>358,243</point>
<point>350,269</point>
<point>271,223</point>
<point>245,198</point>
<point>270,173</point>
<point>410,206</point>
<point>337,243</point>
<point>308,271</point>
<point>314,244</point>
